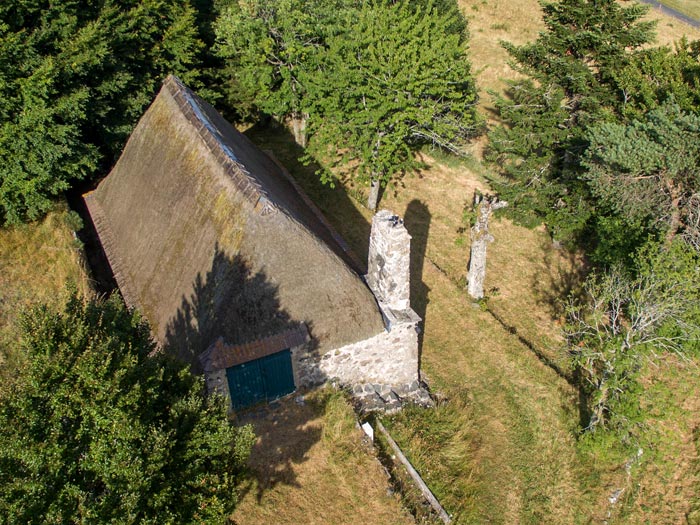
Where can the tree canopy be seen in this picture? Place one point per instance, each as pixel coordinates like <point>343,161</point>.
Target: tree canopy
<point>569,84</point>
<point>270,48</point>
<point>75,76</point>
<point>376,78</point>
<point>648,171</point>
<point>628,318</point>
<point>97,429</point>
<point>396,78</point>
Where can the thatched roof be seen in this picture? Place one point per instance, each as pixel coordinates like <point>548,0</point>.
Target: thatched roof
<point>209,237</point>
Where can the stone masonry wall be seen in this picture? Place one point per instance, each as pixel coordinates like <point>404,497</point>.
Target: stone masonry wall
<point>389,358</point>
<point>388,264</point>
<point>386,361</point>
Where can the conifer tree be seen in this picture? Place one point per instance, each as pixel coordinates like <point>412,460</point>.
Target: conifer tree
<point>96,429</point>
<point>570,85</point>
<point>76,76</point>
<point>658,75</point>
<point>648,171</point>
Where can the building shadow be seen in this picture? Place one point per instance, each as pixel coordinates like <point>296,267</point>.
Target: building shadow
<point>241,305</point>
<point>334,202</point>
<point>417,221</point>
<point>230,301</point>
<point>101,274</point>
<point>286,431</point>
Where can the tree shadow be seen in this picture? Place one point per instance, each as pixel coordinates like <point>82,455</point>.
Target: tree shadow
<point>240,305</point>
<point>230,301</point>
<point>553,287</point>
<point>286,431</point>
<point>417,221</point>
<point>558,281</point>
<point>335,203</point>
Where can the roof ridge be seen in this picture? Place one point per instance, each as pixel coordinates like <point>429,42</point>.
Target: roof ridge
<point>212,137</point>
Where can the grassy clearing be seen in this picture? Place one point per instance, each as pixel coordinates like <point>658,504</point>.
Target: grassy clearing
<point>37,261</point>
<point>687,7</point>
<point>670,30</point>
<point>490,22</point>
<point>501,448</point>
<point>310,465</point>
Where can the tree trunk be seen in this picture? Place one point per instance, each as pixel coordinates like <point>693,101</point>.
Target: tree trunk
<point>477,265</point>
<point>299,128</point>
<point>373,199</point>
<point>480,236</point>
<point>675,218</point>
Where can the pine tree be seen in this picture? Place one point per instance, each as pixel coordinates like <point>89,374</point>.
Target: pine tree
<point>658,75</point>
<point>76,76</point>
<point>648,171</point>
<point>570,86</point>
<point>96,429</point>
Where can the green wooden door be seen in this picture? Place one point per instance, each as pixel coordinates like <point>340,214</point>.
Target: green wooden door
<point>277,374</point>
<point>264,379</point>
<point>246,385</point>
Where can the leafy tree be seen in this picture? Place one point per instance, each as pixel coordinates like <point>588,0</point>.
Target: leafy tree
<point>100,430</point>
<point>74,78</point>
<point>569,85</point>
<point>648,171</point>
<point>395,78</point>
<point>269,49</point>
<point>626,319</point>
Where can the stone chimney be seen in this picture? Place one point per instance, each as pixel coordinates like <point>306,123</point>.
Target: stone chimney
<point>388,267</point>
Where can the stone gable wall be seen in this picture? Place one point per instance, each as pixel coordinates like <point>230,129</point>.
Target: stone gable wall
<point>389,358</point>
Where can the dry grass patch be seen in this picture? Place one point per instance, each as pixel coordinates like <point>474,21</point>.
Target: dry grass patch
<point>490,22</point>
<point>670,30</point>
<point>310,465</point>
<point>690,8</point>
<point>501,447</point>
<point>37,261</point>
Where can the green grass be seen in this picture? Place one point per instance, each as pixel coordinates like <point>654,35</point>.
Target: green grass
<point>687,7</point>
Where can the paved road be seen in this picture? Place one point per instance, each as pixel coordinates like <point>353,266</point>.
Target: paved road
<point>672,12</point>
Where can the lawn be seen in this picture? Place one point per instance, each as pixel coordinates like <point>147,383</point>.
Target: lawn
<point>311,465</point>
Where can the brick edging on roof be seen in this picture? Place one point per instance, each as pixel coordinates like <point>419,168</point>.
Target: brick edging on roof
<point>221,355</point>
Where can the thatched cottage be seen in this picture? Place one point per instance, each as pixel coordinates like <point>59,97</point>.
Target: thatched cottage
<point>236,270</point>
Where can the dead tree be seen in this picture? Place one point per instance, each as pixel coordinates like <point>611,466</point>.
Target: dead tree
<point>484,206</point>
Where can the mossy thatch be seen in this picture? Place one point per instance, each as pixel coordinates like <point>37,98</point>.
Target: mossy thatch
<point>209,238</point>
